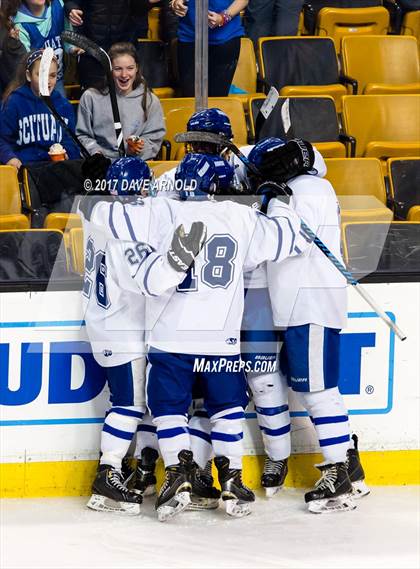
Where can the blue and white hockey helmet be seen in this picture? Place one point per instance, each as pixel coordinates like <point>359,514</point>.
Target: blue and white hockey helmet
<point>128,176</point>
<point>211,120</point>
<point>201,175</point>
<point>263,146</point>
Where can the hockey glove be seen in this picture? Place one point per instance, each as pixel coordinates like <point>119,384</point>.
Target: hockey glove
<point>95,167</point>
<point>270,189</point>
<point>185,247</point>
<point>285,162</point>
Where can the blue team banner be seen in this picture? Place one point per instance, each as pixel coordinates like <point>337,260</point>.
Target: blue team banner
<point>55,379</point>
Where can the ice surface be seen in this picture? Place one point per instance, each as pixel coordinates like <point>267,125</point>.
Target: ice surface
<point>48,533</point>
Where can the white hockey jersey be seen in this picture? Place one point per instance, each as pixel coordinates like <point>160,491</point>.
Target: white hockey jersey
<point>114,311</point>
<point>258,278</point>
<point>308,289</point>
<point>203,314</point>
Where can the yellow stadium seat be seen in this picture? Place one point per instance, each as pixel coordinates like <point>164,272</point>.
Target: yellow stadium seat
<point>246,72</point>
<point>301,65</point>
<point>77,250</point>
<point>338,23</point>
<point>14,221</point>
<point>383,125</point>
<point>411,24</point>
<point>393,64</point>
<point>414,213</point>
<point>177,111</point>
<point>159,167</point>
<point>62,221</point>
<point>153,20</point>
<point>10,201</point>
<point>360,187</point>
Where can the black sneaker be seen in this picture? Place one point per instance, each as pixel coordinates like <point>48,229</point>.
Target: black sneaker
<point>175,493</point>
<point>110,494</point>
<point>332,492</point>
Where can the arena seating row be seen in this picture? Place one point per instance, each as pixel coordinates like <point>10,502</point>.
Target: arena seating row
<point>336,18</point>
<point>359,182</point>
<point>34,255</point>
<point>372,126</point>
<point>302,66</point>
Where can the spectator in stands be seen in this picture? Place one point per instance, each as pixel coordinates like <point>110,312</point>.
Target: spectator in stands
<point>272,18</point>
<point>225,31</point>
<point>140,110</point>
<point>12,51</point>
<point>40,23</point>
<point>27,127</point>
<point>105,22</point>
<point>168,21</point>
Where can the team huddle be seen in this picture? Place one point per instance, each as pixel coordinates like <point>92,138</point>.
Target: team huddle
<point>204,296</point>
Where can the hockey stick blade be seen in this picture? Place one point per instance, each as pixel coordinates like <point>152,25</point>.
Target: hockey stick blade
<point>44,71</point>
<point>90,47</point>
<point>213,138</point>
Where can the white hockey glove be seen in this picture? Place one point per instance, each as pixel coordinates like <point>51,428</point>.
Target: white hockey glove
<point>186,246</point>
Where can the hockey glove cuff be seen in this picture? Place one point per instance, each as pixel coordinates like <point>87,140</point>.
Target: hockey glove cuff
<point>185,247</point>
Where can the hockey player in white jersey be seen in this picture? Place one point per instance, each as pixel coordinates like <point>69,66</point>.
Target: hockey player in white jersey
<point>115,317</point>
<point>269,389</point>
<point>195,330</point>
<point>259,339</point>
<point>309,299</point>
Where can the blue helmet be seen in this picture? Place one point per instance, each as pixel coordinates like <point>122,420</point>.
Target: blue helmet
<point>211,120</point>
<point>199,175</point>
<point>263,146</point>
<point>128,176</point>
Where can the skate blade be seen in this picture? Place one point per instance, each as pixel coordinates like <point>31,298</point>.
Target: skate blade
<point>342,503</point>
<point>360,489</point>
<point>104,504</point>
<point>237,509</point>
<point>174,507</point>
<point>199,503</point>
<point>150,491</point>
<point>272,491</point>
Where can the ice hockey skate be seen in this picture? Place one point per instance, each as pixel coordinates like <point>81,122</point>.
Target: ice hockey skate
<point>274,475</point>
<point>356,472</point>
<point>145,479</point>
<point>204,495</point>
<point>109,494</point>
<point>175,493</point>
<point>332,492</point>
<point>236,496</point>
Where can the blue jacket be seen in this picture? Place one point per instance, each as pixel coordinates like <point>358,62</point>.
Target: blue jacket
<point>28,129</point>
<point>233,29</point>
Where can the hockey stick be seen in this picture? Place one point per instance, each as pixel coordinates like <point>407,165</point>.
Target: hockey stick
<point>102,57</point>
<point>44,71</point>
<point>222,141</point>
